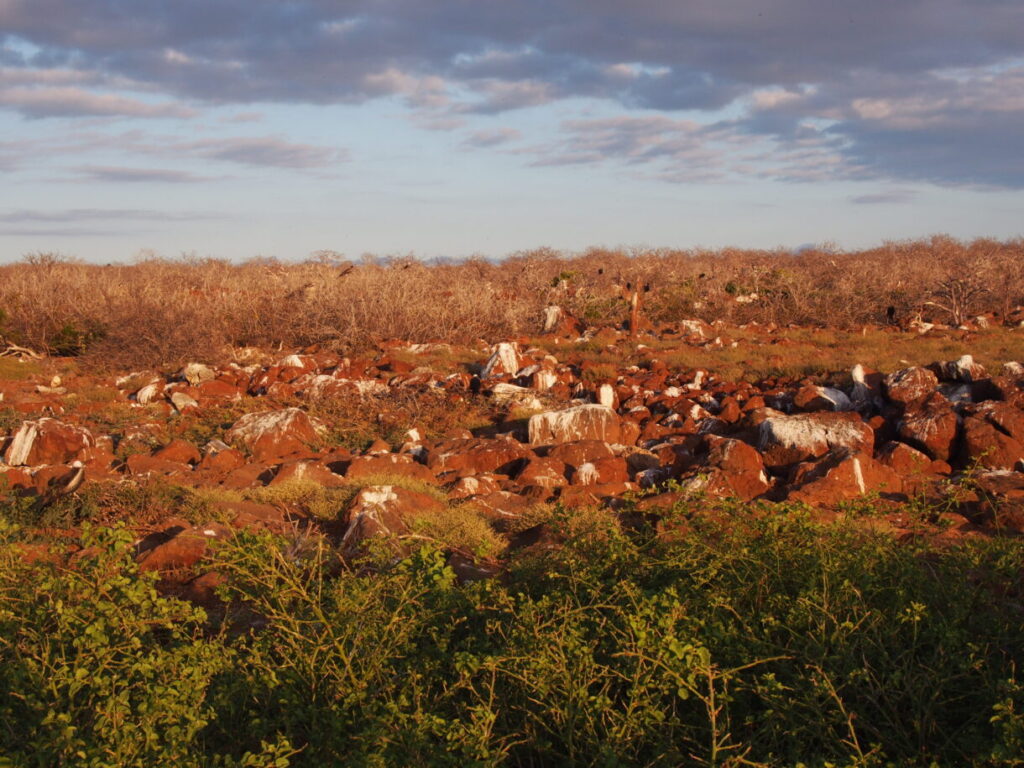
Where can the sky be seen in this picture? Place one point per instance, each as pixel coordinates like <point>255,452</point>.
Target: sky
<point>450,128</point>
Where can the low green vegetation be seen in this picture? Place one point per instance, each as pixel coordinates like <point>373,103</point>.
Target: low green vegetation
<point>746,640</point>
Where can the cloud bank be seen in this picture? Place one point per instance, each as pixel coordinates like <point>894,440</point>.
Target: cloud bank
<point>911,91</point>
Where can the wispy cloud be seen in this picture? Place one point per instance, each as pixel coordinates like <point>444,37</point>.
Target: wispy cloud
<point>267,151</point>
<point>77,102</point>
<point>890,197</point>
<point>491,137</point>
<point>138,175</point>
<point>78,215</point>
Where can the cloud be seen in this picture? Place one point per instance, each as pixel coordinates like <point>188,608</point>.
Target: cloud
<point>77,102</point>
<point>139,175</point>
<point>243,117</point>
<point>92,222</point>
<point>678,150</point>
<point>266,151</point>
<point>910,90</point>
<point>491,138</point>
<point>890,197</point>
<point>79,215</point>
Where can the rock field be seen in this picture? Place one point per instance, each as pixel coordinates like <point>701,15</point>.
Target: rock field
<point>636,438</point>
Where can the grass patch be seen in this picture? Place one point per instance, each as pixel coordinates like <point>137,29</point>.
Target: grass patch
<point>12,369</point>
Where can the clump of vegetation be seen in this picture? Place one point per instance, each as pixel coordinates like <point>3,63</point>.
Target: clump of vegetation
<point>772,642</point>
<point>162,311</point>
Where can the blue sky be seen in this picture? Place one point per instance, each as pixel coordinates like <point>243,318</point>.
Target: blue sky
<point>239,128</point>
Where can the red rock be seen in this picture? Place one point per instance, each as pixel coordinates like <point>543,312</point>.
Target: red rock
<point>989,447</point>
<point>141,464</point>
<point>903,459</point>
<point>15,477</point>
<point>383,511</point>
<point>501,507</point>
<point>1004,416</point>
<point>223,460</point>
<point>180,451</point>
<point>248,476</point>
<point>477,456</point>
<point>544,473</point>
<point>594,495</point>
<point>1010,389</point>
<point>910,384</point>
<point>218,390</point>
<point>309,471</point>
<point>582,422</point>
<point>609,470</point>
<point>47,441</point>
<point>469,569</point>
<point>629,433</point>
<point>183,551</point>
<point>786,440</point>
<point>581,451</point>
<point>997,501</point>
<point>504,360</point>
<point>842,476</point>
<point>755,403</point>
<point>202,590</point>
<point>931,425</point>
<point>731,469</point>
<point>379,468</point>
<point>52,476</point>
<point>275,434</point>
<point>730,411</point>
<point>475,485</point>
<point>99,459</point>
<point>814,398</point>
<point>251,514</point>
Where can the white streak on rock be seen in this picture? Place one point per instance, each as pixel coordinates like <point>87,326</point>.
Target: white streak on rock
<point>21,445</point>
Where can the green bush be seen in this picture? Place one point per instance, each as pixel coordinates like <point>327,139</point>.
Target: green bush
<point>747,640</point>
<point>97,670</point>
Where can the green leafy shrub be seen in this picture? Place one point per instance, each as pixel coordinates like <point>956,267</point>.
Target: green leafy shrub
<point>755,640</point>
<point>97,670</point>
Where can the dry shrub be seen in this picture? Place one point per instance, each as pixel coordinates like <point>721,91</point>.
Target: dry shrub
<point>164,311</point>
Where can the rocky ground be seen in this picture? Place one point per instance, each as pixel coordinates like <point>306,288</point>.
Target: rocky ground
<point>475,439</point>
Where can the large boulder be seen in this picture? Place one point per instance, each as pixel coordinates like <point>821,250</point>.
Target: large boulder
<point>842,476</point>
<point>990,447</point>
<point>931,426</point>
<point>273,435</point>
<point>504,359</point>
<point>47,441</point>
<point>379,511</point>
<point>814,398</point>
<point>910,384</point>
<point>184,549</point>
<point>731,469</point>
<point>786,440</point>
<point>581,451</point>
<point>544,473</point>
<point>581,422</point>
<point>476,456</point>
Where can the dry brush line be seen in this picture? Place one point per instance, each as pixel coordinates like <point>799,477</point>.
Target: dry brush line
<point>163,311</point>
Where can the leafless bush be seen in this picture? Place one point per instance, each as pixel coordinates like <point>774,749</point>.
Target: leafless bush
<point>163,311</point>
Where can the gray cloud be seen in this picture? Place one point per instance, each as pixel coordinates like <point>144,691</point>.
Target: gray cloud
<point>80,215</point>
<point>491,138</point>
<point>890,197</point>
<point>66,101</point>
<point>266,151</point>
<point>138,175</point>
<point>814,80</point>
